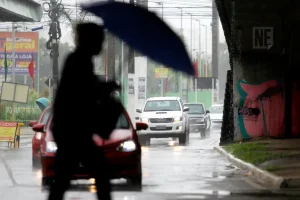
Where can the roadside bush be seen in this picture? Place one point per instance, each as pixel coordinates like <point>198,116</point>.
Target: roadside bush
<point>2,111</point>
<point>23,114</point>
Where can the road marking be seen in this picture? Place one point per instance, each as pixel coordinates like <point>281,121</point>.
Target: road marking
<point>8,169</point>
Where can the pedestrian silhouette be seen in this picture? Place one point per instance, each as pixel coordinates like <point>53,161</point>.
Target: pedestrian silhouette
<point>82,102</point>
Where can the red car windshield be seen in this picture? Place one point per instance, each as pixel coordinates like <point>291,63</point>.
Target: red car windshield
<point>122,123</point>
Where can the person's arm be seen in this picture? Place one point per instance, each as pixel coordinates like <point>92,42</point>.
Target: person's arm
<point>106,88</point>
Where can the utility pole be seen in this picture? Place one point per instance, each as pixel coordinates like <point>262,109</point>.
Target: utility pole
<point>162,83</point>
<point>54,12</point>
<point>111,56</point>
<point>215,42</point>
<point>131,54</point>
<point>13,53</point>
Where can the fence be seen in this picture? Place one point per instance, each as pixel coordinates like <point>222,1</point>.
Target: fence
<point>24,113</point>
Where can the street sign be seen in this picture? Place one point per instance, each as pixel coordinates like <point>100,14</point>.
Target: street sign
<point>49,82</point>
<point>263,37</point>
<point>142,88</point>
<point>14,92</point>
<point>37,28</point>
<point>161,72</point>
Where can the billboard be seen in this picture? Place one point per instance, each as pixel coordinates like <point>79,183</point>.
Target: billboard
<point>161,72</point>
<point>204,83</point>
<point>26,46</point>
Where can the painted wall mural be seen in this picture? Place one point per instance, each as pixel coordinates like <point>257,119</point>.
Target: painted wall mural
<point>261,109</point>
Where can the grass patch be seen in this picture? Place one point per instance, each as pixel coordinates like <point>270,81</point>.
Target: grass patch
<point>273,168</point>
<point>253,152</point>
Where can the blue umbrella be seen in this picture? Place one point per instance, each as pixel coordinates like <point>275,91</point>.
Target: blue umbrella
<point>43,103</point>
<point>144,31</point>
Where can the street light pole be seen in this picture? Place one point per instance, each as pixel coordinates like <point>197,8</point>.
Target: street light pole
<point>13,53</point>
<point>123,75</point>
<point>206,56</point>
<point>189,79</point>
<point>191,36</point>
<point>206,41</point>
<point>200,51</point>
<point>162,79</point>
<point>181,34</point>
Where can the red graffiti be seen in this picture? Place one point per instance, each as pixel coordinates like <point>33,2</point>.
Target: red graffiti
<point>262,109</point>
<point>248,111</point>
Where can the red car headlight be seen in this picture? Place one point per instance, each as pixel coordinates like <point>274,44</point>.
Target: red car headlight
<point>51,147</point>
<point>127,146</point>
<point>38,135</point>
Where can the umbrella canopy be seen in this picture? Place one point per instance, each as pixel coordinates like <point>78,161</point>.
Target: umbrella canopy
<point>144,31</point>
<point>43,103</point>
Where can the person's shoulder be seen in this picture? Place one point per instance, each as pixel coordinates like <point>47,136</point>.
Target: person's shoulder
<point>72,55</point>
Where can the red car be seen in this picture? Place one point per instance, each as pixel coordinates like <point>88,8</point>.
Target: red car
<point>36,140</point>
<point>123,151</point>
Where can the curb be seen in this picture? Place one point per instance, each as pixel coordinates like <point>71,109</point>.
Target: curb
<point>261,176</point>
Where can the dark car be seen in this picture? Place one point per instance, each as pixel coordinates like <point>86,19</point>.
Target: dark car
<point>198,119</point>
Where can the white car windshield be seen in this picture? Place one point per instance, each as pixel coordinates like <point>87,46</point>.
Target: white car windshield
<point>216,109</point>
<point>162,105</point>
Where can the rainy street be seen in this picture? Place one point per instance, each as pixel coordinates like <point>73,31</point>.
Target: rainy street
<point>167,168</point>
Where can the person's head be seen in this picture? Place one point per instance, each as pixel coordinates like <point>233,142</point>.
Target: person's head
<point>89,37</point>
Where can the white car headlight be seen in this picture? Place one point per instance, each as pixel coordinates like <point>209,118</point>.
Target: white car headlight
<point>177,119</point>
<point>38,135</point>
<point>51,147</point>
<point>127,146</point>
<point>144,120</point>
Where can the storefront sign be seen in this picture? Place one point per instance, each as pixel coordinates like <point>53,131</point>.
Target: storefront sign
<point>8,131</point>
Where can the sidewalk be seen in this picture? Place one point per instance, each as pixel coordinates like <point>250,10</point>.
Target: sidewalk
<point>26,131</point>
<point>272,163</point>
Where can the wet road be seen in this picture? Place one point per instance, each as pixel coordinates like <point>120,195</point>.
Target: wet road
<point>167,168</point>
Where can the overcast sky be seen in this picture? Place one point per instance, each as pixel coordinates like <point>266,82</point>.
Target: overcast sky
<point>172,15</point>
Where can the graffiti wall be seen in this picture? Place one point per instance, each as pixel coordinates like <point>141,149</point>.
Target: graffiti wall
<point>261,109</point>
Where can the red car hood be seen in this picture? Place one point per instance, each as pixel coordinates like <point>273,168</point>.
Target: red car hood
<point>117,135</point>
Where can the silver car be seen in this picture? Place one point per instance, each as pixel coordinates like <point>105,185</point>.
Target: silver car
<point>216,113</point>
<point>166,118</point>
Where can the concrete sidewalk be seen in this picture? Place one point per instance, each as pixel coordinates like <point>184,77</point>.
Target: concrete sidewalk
<point>26,131</point>
<point>281,172</point>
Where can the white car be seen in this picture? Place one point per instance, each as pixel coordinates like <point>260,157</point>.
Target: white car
<point>166,118</point>
<point>216,113</point>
